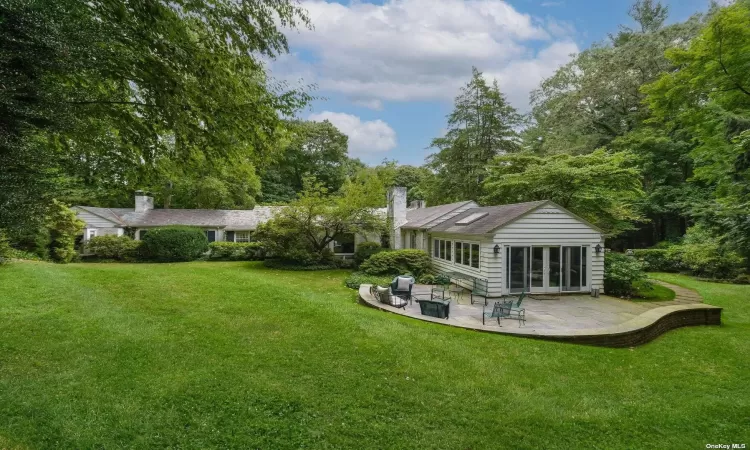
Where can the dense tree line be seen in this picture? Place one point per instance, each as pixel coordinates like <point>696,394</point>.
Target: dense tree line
<point>646,134</point>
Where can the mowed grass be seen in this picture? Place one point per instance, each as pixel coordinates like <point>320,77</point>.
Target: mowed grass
<point>218,355</point>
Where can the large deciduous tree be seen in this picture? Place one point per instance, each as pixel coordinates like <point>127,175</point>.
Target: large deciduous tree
<point>709,97</point>
<point>107,90</point>
<point>482,125</point>
<point>601,187</point>
<point>310,149</point>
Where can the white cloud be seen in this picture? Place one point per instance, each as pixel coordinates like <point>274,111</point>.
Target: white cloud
<point>365,137</point>
<point>408,50</point>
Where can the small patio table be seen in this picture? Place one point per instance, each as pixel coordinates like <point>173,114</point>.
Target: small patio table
<point>434,307</point>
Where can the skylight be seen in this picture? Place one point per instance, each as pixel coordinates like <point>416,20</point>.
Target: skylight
<point>471,218</point>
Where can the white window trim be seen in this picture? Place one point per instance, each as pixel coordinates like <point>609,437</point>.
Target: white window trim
<point>453,259</point>
<point>248,235</point>
<point>89,234</point>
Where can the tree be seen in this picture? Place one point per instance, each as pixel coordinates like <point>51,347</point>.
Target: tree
<point>413,178</point>
<point>106,90</point>
<point>600,187</point>
<point>709,97</point>
<point>302,232</point>
<point>597,97</point>
<point>482,125</point>
<point>312,149</point>
<point>202,184</point>
<point>64,226</point>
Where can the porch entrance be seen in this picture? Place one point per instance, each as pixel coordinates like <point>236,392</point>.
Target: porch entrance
<point>546,269</point>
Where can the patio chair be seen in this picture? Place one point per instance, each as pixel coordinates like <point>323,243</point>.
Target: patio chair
<point>496,313</point>
<point>383,295</point>
<point>401,286</point>
<point>520,299</point>
<point>511,311</point>
<point>480,290</point>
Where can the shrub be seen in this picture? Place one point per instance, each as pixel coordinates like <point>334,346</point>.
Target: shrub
<point>427,278</point>
<point>236,251</point>
<point>63,227</point>
<point>177,243</point>
<point>120,248</point>
<point>658,259</point>
<point>356,279</point>
<point>711,260</point>
<point>398,262</point>
<point>623,275</point>
<point>704,255</point>
<point>365,250</point>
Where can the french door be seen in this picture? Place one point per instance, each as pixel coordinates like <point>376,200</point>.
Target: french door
<point>546,269</point>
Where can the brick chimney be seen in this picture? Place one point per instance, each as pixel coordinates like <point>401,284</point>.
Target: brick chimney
<point>143,202</point>
<point>396,214</point>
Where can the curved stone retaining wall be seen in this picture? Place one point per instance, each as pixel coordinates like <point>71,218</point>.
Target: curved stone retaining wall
<point>640,330</point>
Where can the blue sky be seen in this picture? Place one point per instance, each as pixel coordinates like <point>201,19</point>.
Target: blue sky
<point>387,70</point>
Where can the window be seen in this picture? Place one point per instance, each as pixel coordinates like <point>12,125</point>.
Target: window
<point>466,257</point>
<point>210,235</point>
<point>142,233</point>
<point>343,243</point>
<point>467,254</point>
<point>413,239</point>
<point>474,255</point>
<point>92,233</point>
<point>442,249</point>
<point>243,236</point>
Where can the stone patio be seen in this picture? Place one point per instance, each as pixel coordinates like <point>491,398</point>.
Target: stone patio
<point>576,318</point>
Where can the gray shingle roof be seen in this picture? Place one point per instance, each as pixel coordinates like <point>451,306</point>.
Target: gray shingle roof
<point>111,214</point>
<point>423,218</point>
<point>496,217</point>
<point>229,219</point>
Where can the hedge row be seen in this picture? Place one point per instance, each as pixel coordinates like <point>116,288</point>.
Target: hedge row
<point>700,259</point>
<point>169,244</point>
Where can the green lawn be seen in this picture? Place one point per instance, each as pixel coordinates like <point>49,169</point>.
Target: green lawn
<point>209,355</point>
<point>655,293</point>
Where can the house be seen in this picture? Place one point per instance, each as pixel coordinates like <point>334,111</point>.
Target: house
<point>219,225</point>
<point>536,247</point>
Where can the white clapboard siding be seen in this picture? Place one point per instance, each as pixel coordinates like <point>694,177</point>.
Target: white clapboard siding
<point>94,221</point>
<point>490,265</point>
<point>550,225</point>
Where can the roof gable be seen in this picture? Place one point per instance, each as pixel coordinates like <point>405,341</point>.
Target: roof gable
<point>489,219</point>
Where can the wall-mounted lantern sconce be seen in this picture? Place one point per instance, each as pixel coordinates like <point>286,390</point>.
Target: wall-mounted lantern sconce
<point>598,249</point>
<point>496,249</point>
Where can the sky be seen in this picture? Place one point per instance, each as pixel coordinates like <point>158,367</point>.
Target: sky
<point>386,71</point>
